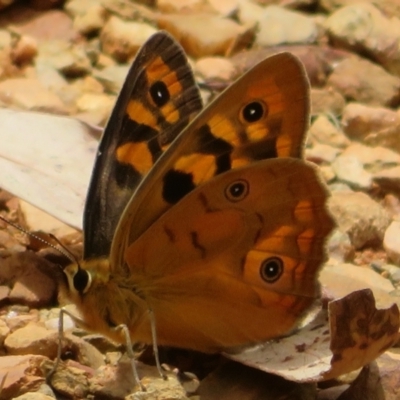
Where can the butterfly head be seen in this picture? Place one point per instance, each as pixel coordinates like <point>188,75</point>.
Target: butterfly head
<point>84,285</point>
<point>102,299</point>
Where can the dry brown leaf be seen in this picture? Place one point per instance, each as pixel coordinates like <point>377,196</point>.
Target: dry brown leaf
<point>359,332</point>
<point>354,334</point>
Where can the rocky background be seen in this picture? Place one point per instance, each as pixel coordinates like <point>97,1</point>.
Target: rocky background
<point>71,57</point>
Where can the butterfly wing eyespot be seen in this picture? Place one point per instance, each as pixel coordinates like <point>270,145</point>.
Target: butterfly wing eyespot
<point>159,93</point>
<point>237,190</point>
<point>271,269</point>
<point>253,112</point>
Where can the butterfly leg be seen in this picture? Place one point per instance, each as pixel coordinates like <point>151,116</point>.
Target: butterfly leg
<point>77,321</point>
<point>131,355</point>
<point>154,341</point>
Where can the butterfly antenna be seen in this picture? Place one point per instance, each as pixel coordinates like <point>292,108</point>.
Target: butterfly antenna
<point>64,251</point>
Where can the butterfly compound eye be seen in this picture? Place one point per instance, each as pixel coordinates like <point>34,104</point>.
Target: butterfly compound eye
<point>159,93</point>
<point>271,269</point>
<point>237,190</point>
<point>253,112</point>
<point>81,280</point>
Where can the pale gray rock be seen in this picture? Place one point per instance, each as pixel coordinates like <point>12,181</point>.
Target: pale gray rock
<point>350,170</point>
<point>324,130</point>
<point>363,219</point>
<point>391,241</point>
<point>278,25</point>
<point>363,81</point>
<point>365,29</point>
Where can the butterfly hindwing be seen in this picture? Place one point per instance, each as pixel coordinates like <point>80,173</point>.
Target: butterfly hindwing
<point>236,260</point>
<point>158,99</point>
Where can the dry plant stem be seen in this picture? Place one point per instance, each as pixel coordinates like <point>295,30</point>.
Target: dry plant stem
<point>3,381</point>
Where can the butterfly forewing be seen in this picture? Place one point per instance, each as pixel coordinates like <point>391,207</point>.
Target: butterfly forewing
<point>157,100</point>
<point>264,114</point>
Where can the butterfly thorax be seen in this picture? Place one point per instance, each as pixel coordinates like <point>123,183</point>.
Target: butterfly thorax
<point>104,302</point>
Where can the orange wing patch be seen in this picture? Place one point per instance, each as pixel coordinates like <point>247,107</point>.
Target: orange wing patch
<point>139,113</point>
<point>170,113</point>
<point>137,155</point>
<point>205,167</point>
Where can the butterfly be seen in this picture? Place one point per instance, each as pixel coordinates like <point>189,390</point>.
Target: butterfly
<point>203,228</point>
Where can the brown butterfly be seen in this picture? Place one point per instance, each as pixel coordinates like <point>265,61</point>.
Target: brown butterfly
<point>212,222</point>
